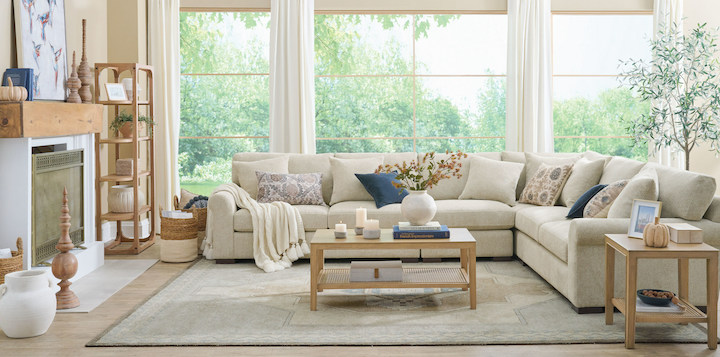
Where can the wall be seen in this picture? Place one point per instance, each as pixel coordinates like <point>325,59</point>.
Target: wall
<point>703,11</point>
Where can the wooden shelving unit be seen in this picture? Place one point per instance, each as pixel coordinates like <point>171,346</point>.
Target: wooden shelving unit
<point>139,142</point>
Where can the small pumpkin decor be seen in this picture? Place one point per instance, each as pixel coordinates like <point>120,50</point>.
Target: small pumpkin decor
<point>12,93</point>
<point>656,234</point>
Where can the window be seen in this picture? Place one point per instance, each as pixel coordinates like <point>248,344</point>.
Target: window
<point>410,82</point>
<point>589,105</point>
<point>224,106</point>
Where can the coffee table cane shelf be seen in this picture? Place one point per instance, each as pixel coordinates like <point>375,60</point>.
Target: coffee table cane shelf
<point>416,277</point>
<point>634,249</point>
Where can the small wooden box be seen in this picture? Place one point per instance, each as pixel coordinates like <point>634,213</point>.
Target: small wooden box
<point>124,167</point>
<point>390,270</point>
<point>685,233</point>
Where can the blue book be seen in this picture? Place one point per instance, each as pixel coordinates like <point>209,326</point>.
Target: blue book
<point>22,77</point>
<point>443,232</point>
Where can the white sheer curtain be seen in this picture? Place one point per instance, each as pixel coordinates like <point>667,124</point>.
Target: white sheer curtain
<point>292,76</point>
<point>164,56</point>
<point>529,77</point>
<point>665,13</point>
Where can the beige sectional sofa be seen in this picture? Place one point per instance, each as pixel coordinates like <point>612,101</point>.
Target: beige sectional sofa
<point>568,254</point>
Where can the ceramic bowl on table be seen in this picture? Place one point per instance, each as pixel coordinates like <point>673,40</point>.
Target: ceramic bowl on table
<point>654,300</point>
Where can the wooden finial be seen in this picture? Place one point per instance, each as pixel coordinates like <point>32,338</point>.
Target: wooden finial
<point>65,264</point>
<point>73,84</point>
<point>84,72</point>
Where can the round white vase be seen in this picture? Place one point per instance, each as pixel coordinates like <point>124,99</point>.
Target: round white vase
<point>120,198</point>
<point>418,207</point>
<point>27,304</point>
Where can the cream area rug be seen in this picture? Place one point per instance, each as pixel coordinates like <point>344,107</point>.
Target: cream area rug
<point>239,304</point>
<point>93,289</point>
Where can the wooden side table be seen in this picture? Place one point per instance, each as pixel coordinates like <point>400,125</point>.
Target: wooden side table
<point>634,249</point>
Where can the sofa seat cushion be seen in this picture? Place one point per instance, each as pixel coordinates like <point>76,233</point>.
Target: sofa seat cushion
<point>388,215</point>
<point>479,215</point>
<point>314,218</point>
<point>554,237</point>
<point>529,220</point>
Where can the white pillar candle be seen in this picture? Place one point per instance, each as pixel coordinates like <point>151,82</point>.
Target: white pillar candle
<point>341,227</point>
<point>372,224</point>
<point>360,217</point>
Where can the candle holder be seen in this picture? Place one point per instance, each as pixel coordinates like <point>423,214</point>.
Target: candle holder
<point>340,234</point>
<point>371,233</point>
<point>359,230</point>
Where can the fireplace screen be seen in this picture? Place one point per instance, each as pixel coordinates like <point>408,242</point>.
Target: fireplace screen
<point>50,173</point>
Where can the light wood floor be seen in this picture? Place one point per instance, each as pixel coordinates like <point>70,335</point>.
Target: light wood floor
<point>69,333</point>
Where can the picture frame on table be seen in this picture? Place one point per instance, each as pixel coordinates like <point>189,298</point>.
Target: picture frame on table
<point>115,92</point>
<point>643,212</point>
<point>41,45</point>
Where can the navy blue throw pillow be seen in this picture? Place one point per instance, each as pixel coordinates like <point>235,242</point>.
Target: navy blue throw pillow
<point>576,211</point>
<point>380,187</point>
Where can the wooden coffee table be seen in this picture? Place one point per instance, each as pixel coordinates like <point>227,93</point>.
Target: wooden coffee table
<point>422,277</point>
<point>634,249</point>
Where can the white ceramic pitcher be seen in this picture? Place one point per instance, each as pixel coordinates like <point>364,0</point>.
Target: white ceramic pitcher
<point>27,304</point>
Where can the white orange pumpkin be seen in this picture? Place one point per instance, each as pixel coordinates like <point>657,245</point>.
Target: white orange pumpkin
<point>656,234</point>
<point>12,93</point>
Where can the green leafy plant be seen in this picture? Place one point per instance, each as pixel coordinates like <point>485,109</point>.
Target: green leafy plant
<point>682,84</point>
<point>125,117</point>
<point>425,173</point>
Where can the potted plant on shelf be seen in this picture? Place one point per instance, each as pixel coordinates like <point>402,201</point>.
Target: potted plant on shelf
<point>417,177</point>
<point>123,123</point>
<point>682,84</point>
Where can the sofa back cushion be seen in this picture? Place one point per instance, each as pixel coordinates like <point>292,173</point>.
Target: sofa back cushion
<point>684,194</point>
<point>620,168</point>
<point>585,174</point>
<point>347,187</point>
<point>310,164</point>
<point>244,172</point>
<point>643,186</point>
<point>450,189</point>
<point>517,156</point>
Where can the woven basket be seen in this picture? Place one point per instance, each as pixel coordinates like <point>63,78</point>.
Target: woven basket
<point>178,228</point>
<point>9,265</point>
<point>199,213</point>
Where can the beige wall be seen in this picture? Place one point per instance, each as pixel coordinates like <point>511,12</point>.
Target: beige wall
<point>703,11</point>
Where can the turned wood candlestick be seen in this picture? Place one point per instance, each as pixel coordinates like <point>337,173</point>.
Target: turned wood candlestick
<point>84,72</point>
<point>73,84</point>
<point>65,265</point>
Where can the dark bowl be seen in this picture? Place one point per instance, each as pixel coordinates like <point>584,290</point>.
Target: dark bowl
<point>653,300</point>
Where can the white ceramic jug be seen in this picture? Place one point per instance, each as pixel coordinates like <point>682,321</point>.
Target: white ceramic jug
<point>27,304</point>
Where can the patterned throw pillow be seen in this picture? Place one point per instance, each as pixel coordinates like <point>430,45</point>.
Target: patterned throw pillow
<point>545,186</point>
<point>295,189</point>
<point>599,205</point>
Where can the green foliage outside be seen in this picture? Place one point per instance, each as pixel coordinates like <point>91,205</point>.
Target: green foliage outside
<point>352,107</point>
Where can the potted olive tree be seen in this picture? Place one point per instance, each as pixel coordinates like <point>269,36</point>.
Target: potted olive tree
<point>123,123</point>
<point>682,83</point>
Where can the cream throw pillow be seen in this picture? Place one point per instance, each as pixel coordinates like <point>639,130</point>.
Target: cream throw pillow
<point>492,180</point>
<point>347,187</point>
<point>544,188</point>
<point>643,186</point>
<point>600,204</point>
<point>620,168</point>
<point>248,180</point>
<point>585,174</point>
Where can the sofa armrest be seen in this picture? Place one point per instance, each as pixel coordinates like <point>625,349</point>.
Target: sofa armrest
<point>713,212</point>
<point>221,210</point>
<point>592,231</point>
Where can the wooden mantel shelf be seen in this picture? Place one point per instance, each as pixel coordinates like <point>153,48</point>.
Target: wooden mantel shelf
<point>38,119</point>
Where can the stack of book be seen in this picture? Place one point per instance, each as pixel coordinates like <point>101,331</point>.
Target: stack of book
<point>431,230</point>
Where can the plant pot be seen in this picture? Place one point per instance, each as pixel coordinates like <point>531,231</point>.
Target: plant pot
<point>418,207</point>
<point>120,199</point>
<point>127,129</point>
<point>27,304</point>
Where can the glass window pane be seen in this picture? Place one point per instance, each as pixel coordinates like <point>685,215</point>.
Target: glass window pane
<point>224,42</point>
<point>205,163</point>
<point>363,44</point>
<point>461,106</point>
<point>595,44</point>
<point>466,145</point>
<point>593,106</point>
<point>363,107</point>
<point>461,44</point>
<point>608,146</point>
<point>365,145</point>
<point>224,105</point>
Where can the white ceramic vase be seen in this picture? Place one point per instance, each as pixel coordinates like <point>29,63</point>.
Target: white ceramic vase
<point>27,304</point>
<point>418,207</point>
<point>120,198</point>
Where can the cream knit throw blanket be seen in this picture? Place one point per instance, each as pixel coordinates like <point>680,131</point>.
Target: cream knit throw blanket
<point>278,231</point>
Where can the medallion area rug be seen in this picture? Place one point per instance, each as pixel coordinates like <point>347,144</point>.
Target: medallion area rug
<point>238,304</point>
